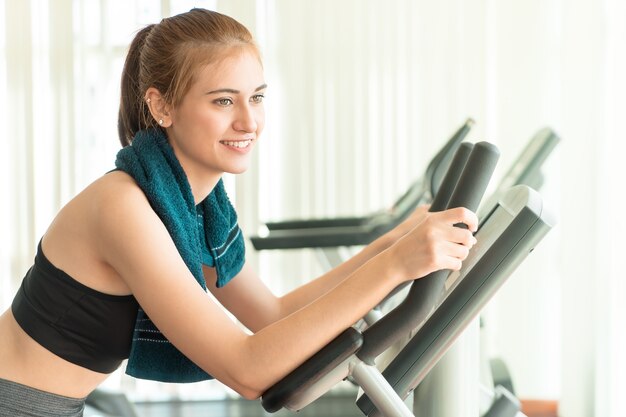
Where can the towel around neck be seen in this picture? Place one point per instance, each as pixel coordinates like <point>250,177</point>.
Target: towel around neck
<point>208,228</point>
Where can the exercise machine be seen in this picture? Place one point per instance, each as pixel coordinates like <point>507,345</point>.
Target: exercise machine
<point>436,310</point>
<point>526,169</point>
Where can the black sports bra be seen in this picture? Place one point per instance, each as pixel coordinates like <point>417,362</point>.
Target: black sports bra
<point>75,322</point>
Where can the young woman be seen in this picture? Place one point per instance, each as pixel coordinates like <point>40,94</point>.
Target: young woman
<point>119,254</point>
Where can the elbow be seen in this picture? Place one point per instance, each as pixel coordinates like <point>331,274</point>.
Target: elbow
<point>251,385</point>
<point>244,385</point>
<point>248,389</point>
<point>247,381</point>
<point>248,373</point>
<point>249,393</point>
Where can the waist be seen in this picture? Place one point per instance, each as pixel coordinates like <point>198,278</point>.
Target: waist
<point>22,400</point>
<point>27,362</point>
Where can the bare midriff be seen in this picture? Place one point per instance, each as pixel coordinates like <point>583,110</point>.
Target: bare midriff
<point>26,362</point>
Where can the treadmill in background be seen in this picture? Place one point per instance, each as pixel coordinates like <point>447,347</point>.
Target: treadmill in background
<point>328,235</point>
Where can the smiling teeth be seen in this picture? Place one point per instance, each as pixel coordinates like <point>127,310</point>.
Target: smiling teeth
<point>238,144</point>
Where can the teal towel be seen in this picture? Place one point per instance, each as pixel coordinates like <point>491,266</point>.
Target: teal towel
<point>207,233</point>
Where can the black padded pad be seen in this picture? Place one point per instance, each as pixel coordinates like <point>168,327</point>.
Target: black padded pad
<point>318,365</point>
<point>324,237</point>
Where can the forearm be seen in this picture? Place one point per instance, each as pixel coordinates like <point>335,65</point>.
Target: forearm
<point>312,290</point>
<point>309,329</point>
<point>309,292</point>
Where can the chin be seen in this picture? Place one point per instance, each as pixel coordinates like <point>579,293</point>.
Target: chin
<point>237,169</point>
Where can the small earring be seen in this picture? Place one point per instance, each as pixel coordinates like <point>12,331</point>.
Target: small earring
<point>148,100</point>
<point>161,121</point>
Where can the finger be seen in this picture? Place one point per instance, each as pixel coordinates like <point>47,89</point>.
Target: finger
<point>462,215</point>
<point>453,264</point>
<point>457,251</point>
<point>462,237</point>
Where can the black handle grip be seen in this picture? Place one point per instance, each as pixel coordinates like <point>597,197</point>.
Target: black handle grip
<point>473,182</point>
<point>440,202</point>
<point>425,292</point>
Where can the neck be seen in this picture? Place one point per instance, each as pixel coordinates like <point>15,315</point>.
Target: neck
<point>201,179</point>
<point>201,186</point>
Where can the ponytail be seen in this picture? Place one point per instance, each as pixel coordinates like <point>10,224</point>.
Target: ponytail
<point>133,114</point>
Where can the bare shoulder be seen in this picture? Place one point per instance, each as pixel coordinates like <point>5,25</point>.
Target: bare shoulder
<point>122,215</point>
<point>116,203</point>
<point>116,190</point>
<point>99,201</point>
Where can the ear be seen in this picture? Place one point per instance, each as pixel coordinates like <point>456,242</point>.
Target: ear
<point>159,108</point>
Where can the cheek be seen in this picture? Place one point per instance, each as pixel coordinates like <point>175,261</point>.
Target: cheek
<point>208,124</point>
<point>194,113</point>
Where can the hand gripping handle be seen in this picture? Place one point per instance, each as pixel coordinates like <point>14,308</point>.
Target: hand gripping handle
<point>425,292</point>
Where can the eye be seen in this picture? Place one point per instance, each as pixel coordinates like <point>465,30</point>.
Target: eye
<point>258,98</point>
<point>224,102</point>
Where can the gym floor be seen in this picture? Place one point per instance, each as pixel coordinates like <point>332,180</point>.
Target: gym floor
<point>327,406</point>
<point>336,405</point>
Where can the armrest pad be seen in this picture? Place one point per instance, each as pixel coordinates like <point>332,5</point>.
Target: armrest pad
<point>331,355</point>
<point>321,237</point>
<point>317,223</point>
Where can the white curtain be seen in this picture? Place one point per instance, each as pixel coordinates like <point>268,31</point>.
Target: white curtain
<point>362,93</point>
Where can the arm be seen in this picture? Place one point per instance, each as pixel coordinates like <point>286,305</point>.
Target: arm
<point>251,301</point>
<point>306,293</point>
<point>134,242</point>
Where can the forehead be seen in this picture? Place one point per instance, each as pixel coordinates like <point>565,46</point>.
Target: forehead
<point>236,68</point>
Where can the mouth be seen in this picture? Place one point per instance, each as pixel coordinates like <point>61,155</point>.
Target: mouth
<point>239,144</point>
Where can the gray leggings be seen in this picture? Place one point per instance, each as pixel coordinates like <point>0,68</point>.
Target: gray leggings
<point>17,400</point>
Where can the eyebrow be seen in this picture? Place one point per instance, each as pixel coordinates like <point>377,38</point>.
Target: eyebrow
<point>233,91</point>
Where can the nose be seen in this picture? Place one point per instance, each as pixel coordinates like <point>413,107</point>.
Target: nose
<point>246,120</point>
